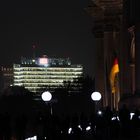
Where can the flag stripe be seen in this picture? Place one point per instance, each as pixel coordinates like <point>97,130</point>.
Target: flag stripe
<point>114,71</point>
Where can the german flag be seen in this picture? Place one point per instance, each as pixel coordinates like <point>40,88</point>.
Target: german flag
<point>113,73</point>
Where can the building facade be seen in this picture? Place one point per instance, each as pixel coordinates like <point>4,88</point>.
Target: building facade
<point>41,73</point>
<point>6,74</point>
<point>113,20</point>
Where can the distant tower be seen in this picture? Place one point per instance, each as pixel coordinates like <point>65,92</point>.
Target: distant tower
<point>34,51</point>
<point>111,34</point>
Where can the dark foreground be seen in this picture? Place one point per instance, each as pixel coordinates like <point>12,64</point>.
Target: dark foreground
<point>105,125</point>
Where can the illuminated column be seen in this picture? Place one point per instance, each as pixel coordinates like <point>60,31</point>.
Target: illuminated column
<point>131,30</point>
<point>99,70</point>
<point>137,58</point>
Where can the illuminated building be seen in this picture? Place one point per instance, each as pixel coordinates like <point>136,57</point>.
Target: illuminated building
<point>6,77</point>
<point>40,73</point>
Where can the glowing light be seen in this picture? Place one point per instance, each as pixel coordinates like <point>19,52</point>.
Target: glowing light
<point>118,118</point>
<point>32,138</point>
<point>88,128</point>
<point>70,130</point>
<point>46,96</point>
<point>99,112</point>
<point>79,126</point>
<point>113,118</point>
<point>131,115</point>
<point>43,61</point>
<point>96,96</point>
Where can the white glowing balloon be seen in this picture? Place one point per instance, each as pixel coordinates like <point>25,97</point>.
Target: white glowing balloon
<point>96,96</point>
<point>46,96</point>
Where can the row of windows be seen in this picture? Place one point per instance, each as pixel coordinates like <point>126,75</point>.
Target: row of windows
<point>48,70</point>
<point>41,84</point>
<point>45,77</point>
<point>42,67</point>
<point>46,74</point>
<point>6,69</point>
<point>37,73</point>
<point>36,83</point>
<point>39,81</point>
<point>50,86</point>
<point>45,84</point>
<point>39,88</point>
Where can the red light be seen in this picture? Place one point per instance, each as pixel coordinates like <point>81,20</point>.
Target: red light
<point>43,61</point>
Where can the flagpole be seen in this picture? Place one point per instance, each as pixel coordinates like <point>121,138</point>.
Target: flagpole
<point>114,100</point>
<point>117,91</point>
<point>114,82</point>
<point>105,79</point>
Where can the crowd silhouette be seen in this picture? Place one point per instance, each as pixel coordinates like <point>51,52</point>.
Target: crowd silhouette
<point>21,117</point>
<point>106,124</point>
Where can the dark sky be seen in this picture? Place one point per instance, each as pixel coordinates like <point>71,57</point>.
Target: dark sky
<point>58,28</point>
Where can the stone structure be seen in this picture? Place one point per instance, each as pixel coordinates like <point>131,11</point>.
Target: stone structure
<point>112,39</point>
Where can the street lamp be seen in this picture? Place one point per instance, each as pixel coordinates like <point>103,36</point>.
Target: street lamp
<point>46,97</point>
<point>96,96</point>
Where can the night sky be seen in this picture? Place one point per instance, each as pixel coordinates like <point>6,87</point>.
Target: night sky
<point>58,28</point>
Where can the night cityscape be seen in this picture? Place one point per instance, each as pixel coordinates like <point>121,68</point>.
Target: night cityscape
<point>69,70</point>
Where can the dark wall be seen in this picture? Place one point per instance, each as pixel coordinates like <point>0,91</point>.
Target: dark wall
<point>131,11</point>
